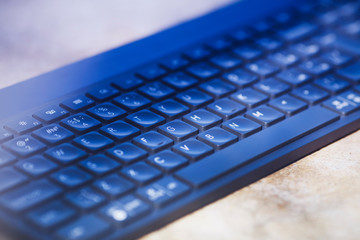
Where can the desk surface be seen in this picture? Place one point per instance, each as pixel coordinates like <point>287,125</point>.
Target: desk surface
<point>317,197</point>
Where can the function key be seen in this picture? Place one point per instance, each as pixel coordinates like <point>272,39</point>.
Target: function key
<point>120,131</point>
<point>156,90</point>
<point>145,119</point>
<point>271,87</point>
<point>178,130</point>
<point>294,77</point>
<point>180,80</point>
<point>219,43</point>
<point>310,94</point>
<point>93,142</point>
<point>163,191</point>
<point>80,123</point>
<point>297,32</point>
<point>50,214</point>
<point>6,158</point>
<point>265,116</point>
<point>132,101</point>
<point>170,109</point>
<point>174,62</point>
<point>217,138</point>
<point>99,164</point>
<point>71,177</point>
<point>127,153</point>
<point>128,82</point>
<point>23,125</point>
<point>193,149</point>
<point>36,166</point>
<point>262,68</point>
<point>151,72</point>
<point>249,97</point>
<point>269,43</point>
<point>225,61</point>
<point>51,114</point>
<point>153,141</point>
<point>5,135</point>
<point>263,26</point>
<point>241,34</point>
<point>53,134</point>
<point>65,153</point>
<point>77,104</point>
<point>241,126</point>
<point>106,112</point>
<point>197,53</point>
<point>248,53</point>
<point>240,78</point>
<point>288,105</point>
<point>351,73</point>
<point>202,119</point>
<point>103,93</point>
<point>217,88</point>
<point>194,98</point>
<point>167,160</point>
<point>226,108</point>
<point>203,70</point>
<point>141,173</point>
<point>113,185</point>
<point>332,84</point>
<point>24,146</point>
<point>283,58</point>
<point>86,227</point>
<point>85,198</point>
<point>341,105</point>
<point>125,210</point>
<point>9,177</point>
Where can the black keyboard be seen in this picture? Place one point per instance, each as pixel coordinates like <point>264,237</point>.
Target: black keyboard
<point>136,151</point>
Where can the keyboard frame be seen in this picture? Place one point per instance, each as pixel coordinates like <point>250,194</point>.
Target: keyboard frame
<point>60,84</point>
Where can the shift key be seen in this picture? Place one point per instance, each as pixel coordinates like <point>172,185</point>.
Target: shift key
<point>266,141</point>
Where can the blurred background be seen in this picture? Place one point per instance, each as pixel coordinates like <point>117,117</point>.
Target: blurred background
<point>38,36</point>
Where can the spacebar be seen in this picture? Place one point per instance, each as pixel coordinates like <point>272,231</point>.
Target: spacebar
<point>257,145</point>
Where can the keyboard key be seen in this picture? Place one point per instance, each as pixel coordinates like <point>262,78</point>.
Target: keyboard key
<point>306,49</point>
<point>351,73</point>
<point>106,112</point>
<point>288,105</point>
<point>5,135</point>
<point>127,153</point>
<point>297,32</point>
<point>153,141</point>
<point>145,119</point>
<point>294,77</point>
<point>120,131</point>
<point>249,97</point>
<point>219,43</point>
<point>315,67</point>
<point>193,149</point>
<point>103,93</point>
<point>351,96</point>
<point>174,62</point>
<point>36,166</point>
<point>310,94</point>
<point>341,105</point>
<point>6,158</point>
<point>65,153</point>
<point>53,134</point>
<point>151,72</point>
<point>225,61</point>
<point>132,101</point>
<point>127,82</point>
<point>316,117</point>
<point>78,103</point>
<point>170,109</point>
<point>126,210</point>
<point>241,35</point>
<point>85,198</point>
<point>283,58</point>
<point>336,57</point>
<point>113,185</point>
<point>226,108</point>
<point>217,138</point>
<point>263,26</point>
<point>248,53</point>
<point>50,214</point>
<point>9,177</point>
<point>203,70</point>
<point>265,116</point>
<point>23,125</point>
<point>99,164</point>
<point>269,43</point>
<point>141,173</point>
<point>332,84</point>
<point>24,146</point>
<point>71,177</point>
<point>86,227</point>
<point>241,126</point>
<point>80,123</point>
<point>217,88</point>
<point>167,160</point>
<point>202,119</point>
<point>29,195</point>
<point>262,68</point>
<point>178,130</point>
<point>156,90</point>
<point>240,78</point>
<point>93,142</point>
<point>272,87</point>
<point>51,114</point>
<point>348,45</point>
<point>197,53</point>
<point>163,191</point>
<point>180,80</point>
<point>194,98</point>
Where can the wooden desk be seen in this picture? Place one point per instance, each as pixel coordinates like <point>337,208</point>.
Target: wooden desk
<point>317,197</point>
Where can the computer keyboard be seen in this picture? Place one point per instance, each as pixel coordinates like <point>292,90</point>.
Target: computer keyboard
<point>138,150</point>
